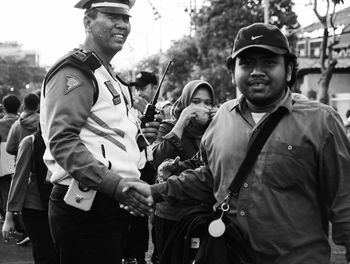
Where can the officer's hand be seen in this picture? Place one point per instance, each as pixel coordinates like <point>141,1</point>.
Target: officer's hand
<point>166,169</point>
<point>150,132</point>
<point>140,203</point>
<point>140,188</point>
<point>8,228</point>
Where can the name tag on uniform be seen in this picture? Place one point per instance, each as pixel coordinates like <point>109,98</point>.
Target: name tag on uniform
<point>116,96</point>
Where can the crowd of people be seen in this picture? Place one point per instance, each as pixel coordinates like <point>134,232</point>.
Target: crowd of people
<point>84,178</point>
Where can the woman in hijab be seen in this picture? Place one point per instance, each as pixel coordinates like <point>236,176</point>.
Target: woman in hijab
<point>179,138</point>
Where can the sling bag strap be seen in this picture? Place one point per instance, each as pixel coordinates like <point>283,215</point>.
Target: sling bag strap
<point>259,141</point>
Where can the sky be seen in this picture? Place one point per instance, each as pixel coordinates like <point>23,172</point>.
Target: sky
<point>53,27</point>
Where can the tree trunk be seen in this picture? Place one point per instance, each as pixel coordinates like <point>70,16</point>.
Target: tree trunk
<point>324,82</point>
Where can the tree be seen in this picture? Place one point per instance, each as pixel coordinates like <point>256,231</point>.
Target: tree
<point>19,74</point>
<point>327,61</point>
<point>184,55</point>
<point>15,75</point>
<point>4,72</point>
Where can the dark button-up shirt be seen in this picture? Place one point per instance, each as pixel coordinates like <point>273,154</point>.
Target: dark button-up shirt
<point>300,181</point>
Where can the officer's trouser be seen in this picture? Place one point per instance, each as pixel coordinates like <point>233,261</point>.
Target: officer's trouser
<point>94,236</point>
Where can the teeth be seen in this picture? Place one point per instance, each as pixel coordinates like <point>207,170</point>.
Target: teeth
<point>258,85</point>
<point>119,36</point>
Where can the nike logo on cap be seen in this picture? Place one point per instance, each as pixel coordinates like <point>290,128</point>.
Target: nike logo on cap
<point>256,37</point>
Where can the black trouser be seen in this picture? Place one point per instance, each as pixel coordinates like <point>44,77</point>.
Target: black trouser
<point>37,227</point>
<point>84,237</point>
<point>136,242</point>
<point>163,228</point>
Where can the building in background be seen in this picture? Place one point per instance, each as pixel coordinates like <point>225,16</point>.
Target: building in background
<point>308,49</point>
<point>13,50</point>
<point>20,71</point>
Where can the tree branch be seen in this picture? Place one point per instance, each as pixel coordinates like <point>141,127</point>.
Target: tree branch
<point>321,18</point>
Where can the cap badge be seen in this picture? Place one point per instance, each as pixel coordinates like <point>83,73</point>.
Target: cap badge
<point>256,37</point>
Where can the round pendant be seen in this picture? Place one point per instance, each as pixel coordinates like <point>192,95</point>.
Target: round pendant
<point>217,228</point>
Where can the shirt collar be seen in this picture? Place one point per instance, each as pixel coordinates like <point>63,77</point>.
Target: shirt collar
<point>286,102</point>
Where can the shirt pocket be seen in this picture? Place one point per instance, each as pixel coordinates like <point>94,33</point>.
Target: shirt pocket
<point>287,166</point>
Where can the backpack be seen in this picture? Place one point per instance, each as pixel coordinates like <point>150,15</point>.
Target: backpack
<point>39,169</point>
<point>190,242</point>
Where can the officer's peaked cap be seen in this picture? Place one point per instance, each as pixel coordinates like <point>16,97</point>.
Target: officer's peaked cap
<point>107,6</point>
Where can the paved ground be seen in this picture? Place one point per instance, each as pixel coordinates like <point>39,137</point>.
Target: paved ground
<point>10,253</point>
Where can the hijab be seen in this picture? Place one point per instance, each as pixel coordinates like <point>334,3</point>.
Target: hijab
<point>184,100</point>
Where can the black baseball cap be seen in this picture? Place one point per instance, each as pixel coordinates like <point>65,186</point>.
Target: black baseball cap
<point>259,35</point>
<point>144,78</point>
<point>107,6</point>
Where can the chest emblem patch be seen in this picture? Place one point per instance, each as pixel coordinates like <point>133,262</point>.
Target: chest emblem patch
<point>72,82</point>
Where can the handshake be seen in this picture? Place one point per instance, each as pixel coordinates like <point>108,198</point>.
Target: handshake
<point>135,195</point>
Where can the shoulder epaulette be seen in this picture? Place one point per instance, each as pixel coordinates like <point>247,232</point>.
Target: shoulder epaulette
<point>88,58</point>
<point>86,61</point>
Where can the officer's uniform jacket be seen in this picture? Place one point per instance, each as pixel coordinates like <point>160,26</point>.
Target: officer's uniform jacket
<point>88,124</point>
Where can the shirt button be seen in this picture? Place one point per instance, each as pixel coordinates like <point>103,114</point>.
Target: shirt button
<point>290,147</point>
<point>242,213</point>
<point>245,184</point>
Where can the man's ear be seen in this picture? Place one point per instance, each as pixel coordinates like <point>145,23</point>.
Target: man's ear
<point>232,72</point>
<point>87,23</point>
<point>233,79</point>
<point>289,72</point>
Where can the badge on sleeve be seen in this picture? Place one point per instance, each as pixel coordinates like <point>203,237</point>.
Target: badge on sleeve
<point>72,82</point>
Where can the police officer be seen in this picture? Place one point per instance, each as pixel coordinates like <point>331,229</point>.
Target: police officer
<point>90,131</point>
<point>145,88</point>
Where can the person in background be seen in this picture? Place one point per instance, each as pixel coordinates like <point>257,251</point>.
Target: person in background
<point>180,136</point>
<point>347,115</point>
<point>10,106</point>
<point>26,125</point>
<point>347,123</point>
<point>25,196</point>
<point>164,108</point>
<point>92,137</point>
<point>145,87</point>
<point>300,180</point>
<point>136,242</point>
<point>347,129</point>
